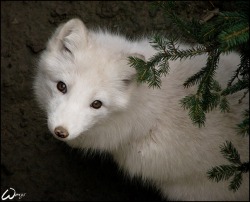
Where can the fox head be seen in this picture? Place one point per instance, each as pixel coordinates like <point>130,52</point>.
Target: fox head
<point>82,80</point>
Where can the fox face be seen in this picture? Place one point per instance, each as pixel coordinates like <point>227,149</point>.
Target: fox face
<point>80,83</point>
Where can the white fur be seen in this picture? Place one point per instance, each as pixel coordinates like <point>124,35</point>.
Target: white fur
<point>146,130</point>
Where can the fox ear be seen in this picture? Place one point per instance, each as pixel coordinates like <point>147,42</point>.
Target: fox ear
<point>131,72</point>
<point>69,36</point>
<point>137,55</point>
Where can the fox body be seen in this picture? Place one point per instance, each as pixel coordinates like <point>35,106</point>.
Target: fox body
<point>92,101</point>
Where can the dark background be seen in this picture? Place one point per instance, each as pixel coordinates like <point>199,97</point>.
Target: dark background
<point>32,161</point>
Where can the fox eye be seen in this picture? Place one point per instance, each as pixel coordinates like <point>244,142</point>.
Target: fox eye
<point>96,104</point>
<point>62,87</point>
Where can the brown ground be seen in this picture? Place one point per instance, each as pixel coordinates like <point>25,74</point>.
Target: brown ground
<point>32,161</point>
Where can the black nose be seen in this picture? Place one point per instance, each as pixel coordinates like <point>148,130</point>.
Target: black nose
<point>61,132</point>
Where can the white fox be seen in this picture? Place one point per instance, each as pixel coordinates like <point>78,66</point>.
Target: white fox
<point>93,101</point>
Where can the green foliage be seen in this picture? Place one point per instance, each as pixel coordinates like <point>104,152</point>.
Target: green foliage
<point>226,32</point>
<point>238,86</point>
<point>150,71</point>
<point>235,169</point>
<point>230,153</point>
<point>235,30</point>
<point>224,105</point>
<point>243,127</point>
<point>196,113</point>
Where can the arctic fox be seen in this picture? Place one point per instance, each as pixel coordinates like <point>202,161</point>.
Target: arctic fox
<point>93,101</point>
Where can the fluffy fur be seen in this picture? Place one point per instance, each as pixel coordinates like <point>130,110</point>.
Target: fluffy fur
<point>146,130</point>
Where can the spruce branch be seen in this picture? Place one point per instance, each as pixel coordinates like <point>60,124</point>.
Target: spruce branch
<point>238,86</point>
<point>210,101</point>
<point>188,53</point>
<point>216,86</point>
<point>163,67</point>
<point>154,78</point>
<point>140,66</point>
<point>190,29</point>
<point>243,127</point>
<point>234,36</point>
<point>236,182</point>
<point>196,113</point>
<point>150,71</point>
<point>235,169</point>
<point>195,79</point>
<point>211,65</point>
<point>159,42</point>
<point>244,95</point>
<point>224,105</point>
<point>223,172</point>
<point>230,153</point>
<point>236,75</point>
<point>242,76</point>
<point>232,17</point>
<point>244,168</point>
